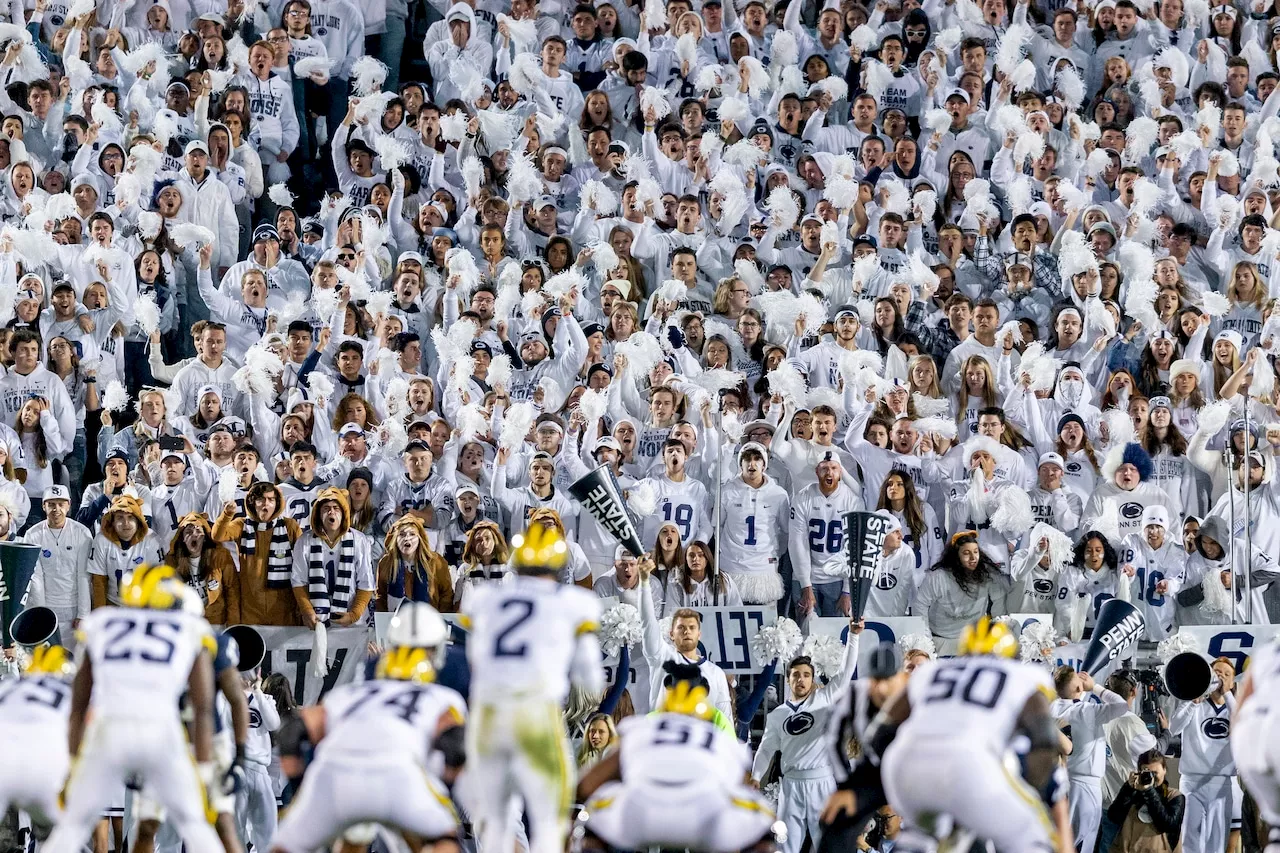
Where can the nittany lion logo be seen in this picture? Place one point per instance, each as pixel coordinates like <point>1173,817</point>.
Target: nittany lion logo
<point>1216,728</point>
<point>798,724</point>
<point>255,719</point>
<point>1073,467</point>
<point>886,581</point>
<point>1131,510</point>
<point>1042,586</point>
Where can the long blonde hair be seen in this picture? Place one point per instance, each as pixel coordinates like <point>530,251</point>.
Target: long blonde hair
<point>933,389</point>
<point>988,395</point>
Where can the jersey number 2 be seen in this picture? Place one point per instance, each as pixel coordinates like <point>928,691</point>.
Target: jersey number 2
<point>503,644</point>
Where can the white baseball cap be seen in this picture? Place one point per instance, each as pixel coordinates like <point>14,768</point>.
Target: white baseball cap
<point>57,493</point>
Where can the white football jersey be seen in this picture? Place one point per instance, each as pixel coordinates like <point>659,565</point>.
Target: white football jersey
<point>671,749</point>
<point>387,719</point>
<point>972,699</point>
<point>524,636</point>
<point>40,701</point>
<point>142,659</point>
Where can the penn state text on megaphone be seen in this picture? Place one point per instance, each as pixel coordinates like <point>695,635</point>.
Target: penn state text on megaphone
<point>250,645</point>
<point>601,496</point>
<point>35,626</point>
<point>1118,627</point>
<point>1188,676</point>
<point>17,564</point>
<point>864,544</point>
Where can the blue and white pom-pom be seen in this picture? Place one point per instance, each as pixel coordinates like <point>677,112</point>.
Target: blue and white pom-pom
<point>620,626</point>
<point>778,641</point>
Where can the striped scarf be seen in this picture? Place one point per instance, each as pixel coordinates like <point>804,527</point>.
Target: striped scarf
<point>323,601</point>
<point>279,555</point>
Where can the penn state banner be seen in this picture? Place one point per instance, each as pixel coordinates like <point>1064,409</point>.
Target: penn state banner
<point>864,543</point>
<point>601,497</point>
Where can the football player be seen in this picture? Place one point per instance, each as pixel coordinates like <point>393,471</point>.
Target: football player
<point>1253,737</point>
<point>33,736</point>
<point>676,780</point>
<point>137,661</point>
<point>529,639</point>
<point>372,742</point>
<point>944,738</point>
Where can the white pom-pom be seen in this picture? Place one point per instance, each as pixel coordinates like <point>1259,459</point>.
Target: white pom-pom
<point>786,382</point>
<point>147,314</point>
<point>1170,647</point>
<point>516,423</point>
<point>833,87</point>
<point>392,153</point>
<point>321,387</point>
<point>115,398</point>
<point>733,109</point>
<point>744,154</point>
<point>918,642</point>
<point>500,369</point>
<point>228,484</point>
<point>753,71</point>
<point>1009,49</point>
<point>1214,304</point>
<point>532,302</point>
<point>1013,514</point>
<point>620,627</point>
<point>187,233</point>
<point>563,283</point>
<point>642,499</point>
<point>783,210</point>
<point>937,120</point>
<point>1061,548</point>
<point>1070,88</point>
<point>945,427</point>
<point>932,407</point>
<point>826,652</point>
<point>280,196</point>
<point>864,38</point>
<point>472,423</point>
<point>777,642</point>
<point>1140,135</point>
<point>368,75</point>
<point>525,74</point>
<point>877,78</point>
<point>642,351</point>
<point>593,405</point>
<point>453,126</point>
<point>524,182</point>
<point>312,66</point>
<point>1037,642</point>
<point>594,194</point>
<point>1214,417</point>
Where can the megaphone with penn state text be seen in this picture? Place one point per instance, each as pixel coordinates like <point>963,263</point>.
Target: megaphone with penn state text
<point>1118,627</point>
<point>35,626</point>
<point>1188,676</point>
<point>17,566</point>
<point>250,645</point>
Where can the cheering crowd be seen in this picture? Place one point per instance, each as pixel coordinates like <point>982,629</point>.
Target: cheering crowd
<point>323,302</point>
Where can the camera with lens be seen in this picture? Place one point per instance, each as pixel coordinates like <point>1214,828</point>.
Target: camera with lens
<point>1146,778</point>
<point>1150,688</point>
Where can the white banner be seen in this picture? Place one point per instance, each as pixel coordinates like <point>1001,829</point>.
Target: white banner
<point>876,631</point>
<point>726,639</point>
<point>289,652</point>
<point>1233,642</point>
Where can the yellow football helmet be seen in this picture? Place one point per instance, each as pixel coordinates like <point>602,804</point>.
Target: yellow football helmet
<point>50,660</point>
<point>986,637</point>
<point>539,549</point>
<point>405,663</point>
<point>151,587</point>
<point>686,691</point>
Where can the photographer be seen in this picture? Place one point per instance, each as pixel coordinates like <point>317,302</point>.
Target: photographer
<point>1148,811</point>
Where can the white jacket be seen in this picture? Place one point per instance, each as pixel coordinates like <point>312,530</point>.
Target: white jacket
<point>61,579</point>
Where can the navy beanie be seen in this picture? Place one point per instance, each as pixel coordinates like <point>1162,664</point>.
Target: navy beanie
<point>1137,457</point>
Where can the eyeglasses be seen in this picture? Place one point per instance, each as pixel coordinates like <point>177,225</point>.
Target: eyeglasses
<point>278,39</point>
<point>346,257</point>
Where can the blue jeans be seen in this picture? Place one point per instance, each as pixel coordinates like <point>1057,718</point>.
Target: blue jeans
<point>826,594</point>
<point>391,50</point>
